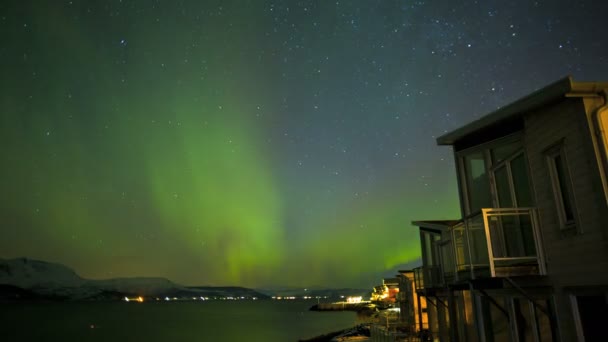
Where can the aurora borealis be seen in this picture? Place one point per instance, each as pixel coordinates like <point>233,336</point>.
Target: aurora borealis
<point>256,142</point>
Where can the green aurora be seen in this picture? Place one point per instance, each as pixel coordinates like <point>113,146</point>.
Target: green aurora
<point>133,147</point>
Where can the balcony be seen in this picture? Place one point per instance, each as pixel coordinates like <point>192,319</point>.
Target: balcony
<point>497,242</point>
<point>428,277</point>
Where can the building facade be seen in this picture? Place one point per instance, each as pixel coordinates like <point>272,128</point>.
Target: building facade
<point>528,260</point>
<point>412,306</point>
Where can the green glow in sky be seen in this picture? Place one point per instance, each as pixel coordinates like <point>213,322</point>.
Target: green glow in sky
<point>175,142</point>
<point>213,189</point>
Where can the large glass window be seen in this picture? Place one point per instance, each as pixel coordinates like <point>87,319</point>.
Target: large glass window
<point>503,183</point>
<point>521,184</point>
<point>510,174</point>
<point>428,251</point>
<point>512,236</point>
<point>504,151</point>
<point>477,184</point>
<point>447,258</point>
<point>503,188</point>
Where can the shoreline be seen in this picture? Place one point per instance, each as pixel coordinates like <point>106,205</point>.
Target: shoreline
<point>342,306</point>
<point>360,332</point>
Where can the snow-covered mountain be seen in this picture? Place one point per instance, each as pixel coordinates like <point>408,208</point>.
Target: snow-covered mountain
<point>52,280</point>
<point>28,273</point>
<point>57,280</point>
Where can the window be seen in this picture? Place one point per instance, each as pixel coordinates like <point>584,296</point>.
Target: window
<point>590,312</point>
<point>495,175</point>
<point>428,249</point>
<point>476,182</point>
<point>505,150</point>
<point>511,182</point>
<point>562,187</point>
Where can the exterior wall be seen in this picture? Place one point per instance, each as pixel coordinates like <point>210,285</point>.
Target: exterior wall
<point>579,256</point>
<point>572,257</point>
<point>499,323</point>
<point>411,304</point>
<point>597,123</point>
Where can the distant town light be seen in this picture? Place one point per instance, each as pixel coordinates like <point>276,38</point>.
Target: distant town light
<point>354,299</point>
<point>135,299</point>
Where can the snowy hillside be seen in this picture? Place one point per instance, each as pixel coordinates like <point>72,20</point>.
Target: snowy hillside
<point>28,273</point>
<point>56,281</point>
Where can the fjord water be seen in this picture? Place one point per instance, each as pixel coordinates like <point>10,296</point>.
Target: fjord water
<point>262,320</point>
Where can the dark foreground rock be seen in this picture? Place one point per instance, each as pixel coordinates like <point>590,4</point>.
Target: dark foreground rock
<point>361,330</point>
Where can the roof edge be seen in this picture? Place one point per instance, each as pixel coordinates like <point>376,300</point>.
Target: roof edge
<point>435,225</point>
<point>544,95</point>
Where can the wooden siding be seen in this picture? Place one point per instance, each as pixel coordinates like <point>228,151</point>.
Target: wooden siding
<point>573,257</point>
<point>576,258</point>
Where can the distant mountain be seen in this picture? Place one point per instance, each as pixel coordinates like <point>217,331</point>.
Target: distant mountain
<point>142,286</point>
<point>24,278</point>
<point>27,273</point>
<point>229,291</point>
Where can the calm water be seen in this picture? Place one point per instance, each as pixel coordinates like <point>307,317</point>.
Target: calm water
<point>168,321</point>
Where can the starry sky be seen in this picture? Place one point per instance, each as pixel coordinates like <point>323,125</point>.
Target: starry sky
<point>257,142</point>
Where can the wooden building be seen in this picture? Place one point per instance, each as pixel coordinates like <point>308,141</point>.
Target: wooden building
<point>412,306</point>
<point>528,260</point>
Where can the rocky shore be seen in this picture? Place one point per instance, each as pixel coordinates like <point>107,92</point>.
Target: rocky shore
<point>360,332</point>
<point>343,306</point>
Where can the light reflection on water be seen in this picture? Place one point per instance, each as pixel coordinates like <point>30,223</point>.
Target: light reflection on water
<point>168,321</point>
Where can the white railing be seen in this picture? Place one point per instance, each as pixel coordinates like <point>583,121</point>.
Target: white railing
<point>513,241</point>
<point>496,242</point>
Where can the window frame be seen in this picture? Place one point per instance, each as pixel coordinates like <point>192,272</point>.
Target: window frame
<point>551,153</point>
<point>486,149</point>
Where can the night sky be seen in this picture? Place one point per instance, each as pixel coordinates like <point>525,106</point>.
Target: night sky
<point>257,142</point>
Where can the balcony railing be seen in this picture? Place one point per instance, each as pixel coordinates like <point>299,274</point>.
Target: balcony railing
<point>496,242</point>
<point>428,277</point>
<point>514,244</point>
